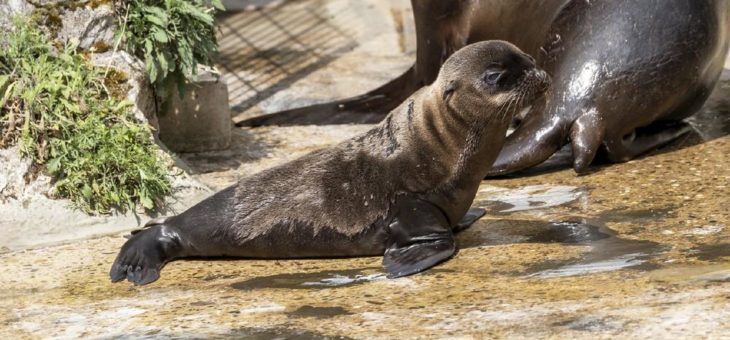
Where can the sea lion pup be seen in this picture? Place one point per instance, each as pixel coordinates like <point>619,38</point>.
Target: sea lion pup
<point>399,189</point>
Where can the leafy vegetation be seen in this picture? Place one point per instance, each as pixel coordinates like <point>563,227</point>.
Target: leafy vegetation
<point>172,36</point>
<point>59,109</point>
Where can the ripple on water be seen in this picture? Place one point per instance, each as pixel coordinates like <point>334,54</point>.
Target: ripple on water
<point>316,280</point>
<point>278,333</point>
<point>318,312</point>
<point>505,200</point>
<point>711,252</point>
<point>607,252</point>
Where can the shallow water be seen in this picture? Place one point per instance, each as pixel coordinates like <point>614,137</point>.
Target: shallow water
<point>317,280</point>
<point>499,200</point>
<point>605,251</point>
<point>318,312</point>
<point>711,252</point>
<point>277,333</point>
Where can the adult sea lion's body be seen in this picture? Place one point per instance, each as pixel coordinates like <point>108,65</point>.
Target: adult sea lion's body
<point>622,69</point>
<point>399,189</point>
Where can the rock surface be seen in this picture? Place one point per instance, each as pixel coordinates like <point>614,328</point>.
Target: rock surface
<point>91,27</point>
<point>139,92</point>
<point>633,250</point>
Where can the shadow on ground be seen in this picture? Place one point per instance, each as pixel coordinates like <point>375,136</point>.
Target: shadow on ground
<point>265,51</point>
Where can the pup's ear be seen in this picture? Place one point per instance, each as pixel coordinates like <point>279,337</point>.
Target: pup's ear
<point>449,90</point>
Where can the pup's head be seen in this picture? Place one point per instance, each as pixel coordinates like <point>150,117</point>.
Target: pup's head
<point>490,81</point>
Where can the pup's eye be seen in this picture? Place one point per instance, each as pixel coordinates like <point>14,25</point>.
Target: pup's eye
<point>493,75</point>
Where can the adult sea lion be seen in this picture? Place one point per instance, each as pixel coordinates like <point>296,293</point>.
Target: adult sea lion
<point>399,189</point>
<point>624,71</point>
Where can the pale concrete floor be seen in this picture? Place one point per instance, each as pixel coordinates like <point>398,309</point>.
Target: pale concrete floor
<point>633,250</point>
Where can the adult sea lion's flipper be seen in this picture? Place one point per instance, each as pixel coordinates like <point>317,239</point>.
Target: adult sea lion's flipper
<point>537,138</point>
<point>363,109</point>
<point>586,136</point>
<point>471,216</point>
<point>642,140</point>
<point>420,238</point>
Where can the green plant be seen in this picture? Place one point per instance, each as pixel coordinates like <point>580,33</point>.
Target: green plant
<point>172,36</point>
<point>58,107</point>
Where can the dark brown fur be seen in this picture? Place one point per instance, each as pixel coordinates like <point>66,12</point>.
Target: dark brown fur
<point>340,201</point>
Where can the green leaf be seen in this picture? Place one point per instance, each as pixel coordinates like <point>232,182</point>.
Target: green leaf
<point>160,35</point>
<point>6,90</point>
<point>148,48</point>
<point>163,64</point>
<point>86,191</point>
<point>217,4</point>
<point>158,21</point>
<point>156,12</point>
<point>54,166</point>
<point>197,13</point>
<point>4,81</point>
<point>146,201</point>
<point>152,71</point>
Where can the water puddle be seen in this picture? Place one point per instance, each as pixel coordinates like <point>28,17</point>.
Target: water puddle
<point>711,252</point>
<point>635,216</point>
<point>318,312</point>
<point>504,200</point>
<point>277,333</point>
<point>607,251</point>
<point>563,269</point>
<point>530,231</point>
<point>316,280</point>
<point>711,273</point>
<point>589,324</point>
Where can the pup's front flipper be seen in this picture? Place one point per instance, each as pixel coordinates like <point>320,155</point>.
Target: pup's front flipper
<point>420,238</point>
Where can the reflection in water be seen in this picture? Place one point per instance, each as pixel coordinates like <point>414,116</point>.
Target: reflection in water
<point>504,200</point>
<point>711,252</point>
<point>277,333</point>
<point>623,261</point>
<point>626,215</point>
<point>607,251</point>
<point>316,280</point>
<point>605,254</point>
<point>318,312</point>
<point>500,232</point>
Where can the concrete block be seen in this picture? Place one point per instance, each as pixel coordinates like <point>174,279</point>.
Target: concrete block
<point>201,120</point>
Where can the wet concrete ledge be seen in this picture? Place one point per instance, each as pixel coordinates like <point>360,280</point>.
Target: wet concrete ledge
<point>633,250</point>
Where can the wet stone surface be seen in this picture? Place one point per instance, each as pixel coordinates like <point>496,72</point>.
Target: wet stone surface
<point>631,250</point>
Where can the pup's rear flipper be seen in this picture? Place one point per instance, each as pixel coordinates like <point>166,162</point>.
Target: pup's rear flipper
<point>420,238</point>
<point>144,254</point>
